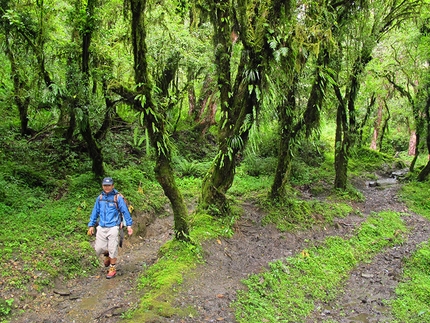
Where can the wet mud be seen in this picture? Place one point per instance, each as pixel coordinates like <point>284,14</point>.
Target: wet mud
<point>212,286</point>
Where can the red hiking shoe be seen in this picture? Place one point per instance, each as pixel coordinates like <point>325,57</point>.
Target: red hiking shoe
<point>111,273</point>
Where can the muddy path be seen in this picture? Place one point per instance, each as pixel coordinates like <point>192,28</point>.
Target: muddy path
<point>212,287</point>
<point>97,299</point>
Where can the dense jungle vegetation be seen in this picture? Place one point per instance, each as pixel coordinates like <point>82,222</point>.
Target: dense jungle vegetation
<point>199,105</point>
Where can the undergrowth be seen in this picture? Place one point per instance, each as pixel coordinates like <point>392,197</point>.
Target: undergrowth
<point>412,302</point>
<point>159,282</point>
<point>46,200</point>
<point>288,290</point>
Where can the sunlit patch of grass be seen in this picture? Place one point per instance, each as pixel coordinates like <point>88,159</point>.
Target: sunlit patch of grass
<point>204,226</point>
<point>294,214</point>
<point>190,187</point>
<point>159,281</point>
<point>416,195</point>
<point>367,160</point>
<point>288,290</point>
<point>412,303</point>
<point>247,186</point>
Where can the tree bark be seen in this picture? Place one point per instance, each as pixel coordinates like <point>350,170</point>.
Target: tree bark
<point>283,165</point>
<point>423,175</point>
<point>22,101</point>
<point>376,128</point>
<point>340,150</point>
<point>238,103</point>
<point>94,150</point>
<point>155,121</point>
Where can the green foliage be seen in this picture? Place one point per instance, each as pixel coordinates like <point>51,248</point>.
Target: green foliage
<point>288,290</point>
<point>256,166</point>
<point>177,259</point>
<point>52,243</point>
<point>190,188</point>
<point>293,213</point>
<point>185,168</point>
<point>5,307</point>
<point>413,293</point>
<point>246,186</point>
<point>368,160</point>
<point>417,197</point>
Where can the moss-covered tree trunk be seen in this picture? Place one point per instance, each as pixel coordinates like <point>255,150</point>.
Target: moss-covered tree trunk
<point>340,149</point>
<point>305,123</point>
<point>283,165</point>
<point>423,175</point>
<point>286,136</point>
<point>389,14</point>
<point>239,102</point>
<point>22,100</point>
<point>94,149</point>
<point>155,120</point>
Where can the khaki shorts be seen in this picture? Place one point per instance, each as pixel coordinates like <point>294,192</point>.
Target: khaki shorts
<point>107,240</point>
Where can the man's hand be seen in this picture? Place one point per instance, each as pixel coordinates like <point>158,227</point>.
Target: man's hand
<point>90,231</point>
<point>129,231</point>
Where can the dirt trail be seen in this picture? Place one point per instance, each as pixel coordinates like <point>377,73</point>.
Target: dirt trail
<point>212,286</point>
<point>97,299</point>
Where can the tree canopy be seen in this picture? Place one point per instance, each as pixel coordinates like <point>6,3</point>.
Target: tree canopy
<point>219,71</point>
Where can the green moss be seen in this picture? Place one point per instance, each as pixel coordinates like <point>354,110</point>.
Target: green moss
<point>288,290</point>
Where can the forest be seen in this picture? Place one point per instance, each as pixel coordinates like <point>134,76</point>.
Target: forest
<point>198,109</point>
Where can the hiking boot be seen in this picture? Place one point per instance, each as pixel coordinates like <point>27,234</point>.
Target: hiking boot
<point>106,262</point>
<point>111,273</point>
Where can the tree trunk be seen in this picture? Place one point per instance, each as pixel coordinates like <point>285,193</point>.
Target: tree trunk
<point>239,103</point>
<point>287,114</point>
<point>412,143</point>
<point>341,157</point>
<point>422,176</point>
<point>22,100</point>
<point>94,149</point>
<point>286,133</point>
<point>203,111</point>
<point>283,165</point>
<point>155,122</point>
<point>377,127</point>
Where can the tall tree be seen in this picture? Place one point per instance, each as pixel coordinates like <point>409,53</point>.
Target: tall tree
<point>239,88</point>
<point>425,92</point>
<point>94,149</point>
<point>294,122</point>
<point>367,35</point>
<point>154,117</point>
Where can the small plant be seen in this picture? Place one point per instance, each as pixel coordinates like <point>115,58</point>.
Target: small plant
<point>6,307</point>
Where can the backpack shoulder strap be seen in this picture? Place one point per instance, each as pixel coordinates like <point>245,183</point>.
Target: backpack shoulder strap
<point>115,199</point>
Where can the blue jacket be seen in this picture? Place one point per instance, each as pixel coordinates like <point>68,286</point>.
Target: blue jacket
<point>105,209</point>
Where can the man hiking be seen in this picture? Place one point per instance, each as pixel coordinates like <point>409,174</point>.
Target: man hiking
<point>108,208</point>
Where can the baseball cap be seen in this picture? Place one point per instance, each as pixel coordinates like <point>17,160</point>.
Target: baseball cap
<point>107,181</point>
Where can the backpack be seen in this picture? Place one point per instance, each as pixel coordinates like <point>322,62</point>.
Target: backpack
<point>127,203</point>
<point>130,209</point>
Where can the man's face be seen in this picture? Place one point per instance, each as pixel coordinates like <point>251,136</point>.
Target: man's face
<point>107,188</point>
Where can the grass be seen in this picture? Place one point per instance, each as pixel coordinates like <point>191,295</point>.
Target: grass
<point>297,214</point>
<point>287,292</point>
<point>417,197</point>
<point>55,215</point>
<point>412,302</point>
<point>159,282</point>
